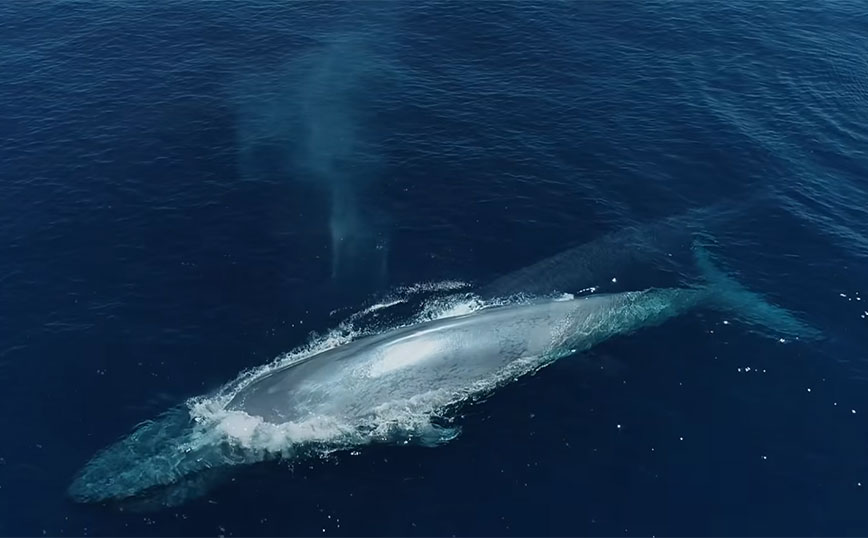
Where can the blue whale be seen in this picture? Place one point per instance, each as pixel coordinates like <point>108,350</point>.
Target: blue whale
<point>393,386</point>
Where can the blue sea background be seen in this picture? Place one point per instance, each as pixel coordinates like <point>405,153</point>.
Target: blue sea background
<point>175,176</point>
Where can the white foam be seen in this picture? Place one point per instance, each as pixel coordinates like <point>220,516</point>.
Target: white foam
<point>240,426</point>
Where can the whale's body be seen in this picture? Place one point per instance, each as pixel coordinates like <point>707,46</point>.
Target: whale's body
<point>395,382</point>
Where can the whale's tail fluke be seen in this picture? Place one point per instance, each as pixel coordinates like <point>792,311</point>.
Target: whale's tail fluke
<point>766,318</point>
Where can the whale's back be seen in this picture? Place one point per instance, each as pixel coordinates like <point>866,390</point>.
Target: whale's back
<point>447,356</point>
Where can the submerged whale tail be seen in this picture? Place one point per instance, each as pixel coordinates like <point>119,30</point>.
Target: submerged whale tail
<point>750,307</point>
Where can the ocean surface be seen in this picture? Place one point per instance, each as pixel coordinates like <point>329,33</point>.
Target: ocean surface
<point>191,189</point>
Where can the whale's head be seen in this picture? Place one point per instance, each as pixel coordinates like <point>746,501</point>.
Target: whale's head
<point>156,460</point>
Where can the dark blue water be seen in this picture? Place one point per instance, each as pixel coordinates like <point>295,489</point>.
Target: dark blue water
<point>190,188</point>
